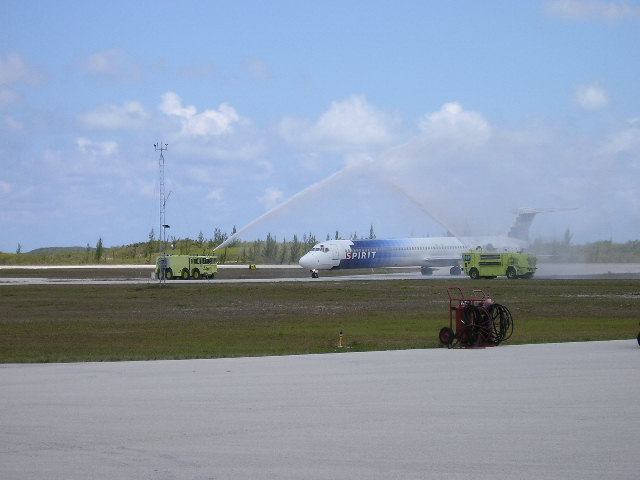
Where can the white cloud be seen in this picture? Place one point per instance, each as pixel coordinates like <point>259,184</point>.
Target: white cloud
<point>453,123</point>
<point>591,97</point>
<point>353,121</point>
<point>99,149</point>
<point>172,105</point>
<point>271,197</point>
<point>593,9</point>
<point>130,115</point>
<point>205,124</point>
<point>348,124</point>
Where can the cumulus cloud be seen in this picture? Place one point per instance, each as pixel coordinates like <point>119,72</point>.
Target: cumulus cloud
<point>593,9</point>
<point>354,120</point>
<point>454,123</point>
<point>351,123</point>
<point>206,124</point>
<point>591,97</point>
<point>129,115</point>
<point>172,105</point>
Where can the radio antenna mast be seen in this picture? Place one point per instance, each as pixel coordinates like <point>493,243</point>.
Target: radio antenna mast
<point>163,204</point>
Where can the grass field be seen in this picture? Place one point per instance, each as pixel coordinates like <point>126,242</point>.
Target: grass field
<point>68,323</point>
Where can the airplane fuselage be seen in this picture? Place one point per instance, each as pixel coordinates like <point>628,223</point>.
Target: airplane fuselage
<point>427,253</point>
<point>403,252</point>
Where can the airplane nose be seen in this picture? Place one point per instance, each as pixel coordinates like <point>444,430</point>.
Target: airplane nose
<point>305,261</point>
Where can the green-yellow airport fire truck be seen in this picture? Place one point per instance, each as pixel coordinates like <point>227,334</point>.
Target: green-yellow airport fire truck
<point>490,265</point>
<point>186,266</point>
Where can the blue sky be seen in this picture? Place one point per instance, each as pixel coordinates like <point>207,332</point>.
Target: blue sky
<point>466,110</point>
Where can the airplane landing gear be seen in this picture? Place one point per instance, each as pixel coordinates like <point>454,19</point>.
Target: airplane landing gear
<point>314,273</point>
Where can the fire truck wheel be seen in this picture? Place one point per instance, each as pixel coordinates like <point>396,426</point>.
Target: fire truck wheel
<point>446,336</point>
<point>474,274</point>
<point>511,273</point>
<point>196,274</point>
<point>168,273</point>
<point>185,274</point>
<point>638,338</point>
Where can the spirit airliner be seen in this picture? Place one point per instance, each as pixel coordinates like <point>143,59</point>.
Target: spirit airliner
<point>428,253</point>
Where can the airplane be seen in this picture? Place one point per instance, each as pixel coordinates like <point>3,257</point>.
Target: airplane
<point>427,253</point>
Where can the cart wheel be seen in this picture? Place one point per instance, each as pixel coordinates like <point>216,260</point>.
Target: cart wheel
<point>446,336</point>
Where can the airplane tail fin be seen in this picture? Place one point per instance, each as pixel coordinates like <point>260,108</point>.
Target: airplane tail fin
<point>522,223</point>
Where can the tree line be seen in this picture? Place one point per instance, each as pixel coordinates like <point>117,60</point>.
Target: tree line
<point>271,250</point>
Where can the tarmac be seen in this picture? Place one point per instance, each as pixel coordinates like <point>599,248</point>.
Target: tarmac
<point>548,411</point>
<point>545,271</point>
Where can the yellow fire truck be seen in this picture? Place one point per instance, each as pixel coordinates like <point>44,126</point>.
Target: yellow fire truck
<point>186,266</point>
<point>490,265</point>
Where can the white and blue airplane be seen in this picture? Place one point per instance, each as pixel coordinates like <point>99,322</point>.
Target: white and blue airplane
<point>427,253</point>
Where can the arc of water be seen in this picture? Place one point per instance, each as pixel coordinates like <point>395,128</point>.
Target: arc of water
<point>310,189</point>
<point>383,160</point>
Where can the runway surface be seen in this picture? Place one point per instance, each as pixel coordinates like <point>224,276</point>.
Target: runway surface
<point>554,411</point>
<point>229,274</point>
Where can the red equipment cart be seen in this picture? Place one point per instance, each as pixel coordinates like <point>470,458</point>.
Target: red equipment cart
<point>479,322</point>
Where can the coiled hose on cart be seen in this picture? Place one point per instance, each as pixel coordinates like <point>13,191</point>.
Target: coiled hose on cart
<point>491,325</point>
<point>502,323</point>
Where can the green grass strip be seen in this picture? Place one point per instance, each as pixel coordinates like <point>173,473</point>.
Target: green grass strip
<point>73,323</point>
